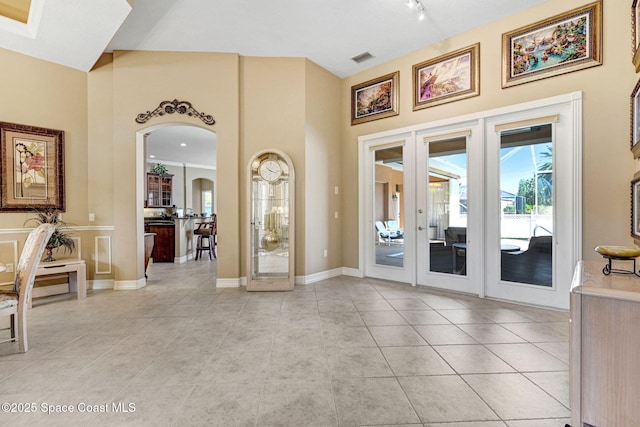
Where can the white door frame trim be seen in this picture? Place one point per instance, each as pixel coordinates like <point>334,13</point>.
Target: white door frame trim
<point>573,98</point>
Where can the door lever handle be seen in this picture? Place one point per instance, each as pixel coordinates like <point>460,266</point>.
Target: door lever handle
<point>421,228</point>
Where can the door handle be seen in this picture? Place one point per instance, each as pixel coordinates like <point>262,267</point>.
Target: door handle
<point>421,228</point>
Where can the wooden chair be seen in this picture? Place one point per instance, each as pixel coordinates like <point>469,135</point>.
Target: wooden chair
<point>207,230</point>
<point>15,303</point>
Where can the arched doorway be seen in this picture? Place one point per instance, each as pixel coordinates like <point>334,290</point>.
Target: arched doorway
<point>203,196</point>
<point>186,153</point>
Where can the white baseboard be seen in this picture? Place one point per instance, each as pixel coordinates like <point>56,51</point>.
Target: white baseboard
<point>302,280</point>
<point>353,272</point>
<point>129,285</point>
<point>316,277</point>
<point>184,258</point>
<point>228,283</point>
<point>101,284</point>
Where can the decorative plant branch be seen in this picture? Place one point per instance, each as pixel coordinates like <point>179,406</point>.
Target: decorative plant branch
<point>159,168</point>
<point>60,237</point>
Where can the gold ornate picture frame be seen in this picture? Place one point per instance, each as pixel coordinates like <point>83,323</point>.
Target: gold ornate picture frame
<point>635,120</point>
<point>635,206</point>
<point>635,33</point>
<point>31,168</point>
<point>447,78</point>
<point>561,44</point>
<point>375,99</point>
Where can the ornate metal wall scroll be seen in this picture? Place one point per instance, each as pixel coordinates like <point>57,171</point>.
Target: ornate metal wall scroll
<point>175,106</point>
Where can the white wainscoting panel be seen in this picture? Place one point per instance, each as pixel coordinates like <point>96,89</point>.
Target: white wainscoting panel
<point>103,254</point>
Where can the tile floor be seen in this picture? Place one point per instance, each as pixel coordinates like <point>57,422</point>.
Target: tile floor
<point>341,352</point>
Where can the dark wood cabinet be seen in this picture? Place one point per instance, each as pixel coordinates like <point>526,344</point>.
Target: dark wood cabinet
<point>159,190</point>
<point>165,242</point>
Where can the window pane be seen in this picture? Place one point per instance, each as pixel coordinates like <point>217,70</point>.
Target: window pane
<point>526,201</point>
<point>388,213</point>
<point>448,206</point>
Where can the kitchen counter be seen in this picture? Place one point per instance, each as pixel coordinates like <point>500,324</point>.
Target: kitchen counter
<point>181,248</point>
<point>149,242</point>
<point>185,248</point>
<point>164,245</point>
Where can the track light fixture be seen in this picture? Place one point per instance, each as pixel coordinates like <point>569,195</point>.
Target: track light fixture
<point>418,6</point>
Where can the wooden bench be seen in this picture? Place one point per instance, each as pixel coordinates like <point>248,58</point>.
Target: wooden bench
<point>76,270</point>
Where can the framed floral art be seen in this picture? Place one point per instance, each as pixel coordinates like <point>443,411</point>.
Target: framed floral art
<point>31,168</point>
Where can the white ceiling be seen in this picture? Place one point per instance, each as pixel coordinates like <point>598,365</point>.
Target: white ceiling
<point>328,32</point>
<point>75,33</point>
<point>164,144</point>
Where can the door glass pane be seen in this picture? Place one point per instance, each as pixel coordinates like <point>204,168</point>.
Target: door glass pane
<point>526,205</point>
<point>388,212</point>
<point>447,206</point>
<point>270,231</point>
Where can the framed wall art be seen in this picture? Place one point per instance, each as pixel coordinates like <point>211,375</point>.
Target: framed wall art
<point>635,33</point>
<point>31,168</point>
<point>562,44</point>
<point>635,206</point>
<point>375,99</point>
<point>447,78</point>
<point>635,120</point>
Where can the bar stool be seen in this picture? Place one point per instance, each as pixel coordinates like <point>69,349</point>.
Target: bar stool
<point>206,230</point>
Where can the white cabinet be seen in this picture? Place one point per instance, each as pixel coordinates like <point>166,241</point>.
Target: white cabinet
<point>605,347</point>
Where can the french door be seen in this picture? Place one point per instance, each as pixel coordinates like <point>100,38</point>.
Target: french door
<point>389,206</point>
<point>487,205</point>
<point>533,202</point>
<point>449,211</point>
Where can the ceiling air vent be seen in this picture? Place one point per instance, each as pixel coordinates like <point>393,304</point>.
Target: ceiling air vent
<point>362,57</point>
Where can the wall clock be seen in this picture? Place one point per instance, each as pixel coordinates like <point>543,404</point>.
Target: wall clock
<point>270,170</point>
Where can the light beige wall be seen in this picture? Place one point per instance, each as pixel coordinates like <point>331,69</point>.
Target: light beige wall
<point>203,179</point>
<point>286,105</point>
<point>48,95</point>
<point>273,116</point>
<point>39,93</point>
<point>196,191</point>
<point>141,80</point>
<point>608,165</point>
<point>99,142</point>
<point>42,94</point>
<point>323,168</point>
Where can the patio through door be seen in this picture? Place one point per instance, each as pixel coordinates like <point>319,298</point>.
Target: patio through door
<point>449,212</point>
<point>486,205</point>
